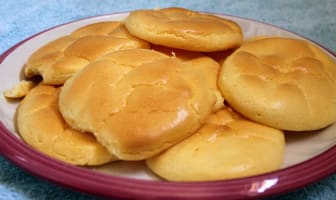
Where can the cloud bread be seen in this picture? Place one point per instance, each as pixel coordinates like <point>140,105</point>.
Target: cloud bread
<point>137,102</point>
<point>227,146</point>
<point>184,29</point>
<point>41,125</point>
<point>284,83</point>
<point>60,59</point>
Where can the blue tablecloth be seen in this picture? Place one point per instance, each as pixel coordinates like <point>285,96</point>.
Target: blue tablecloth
<point>20,19</point>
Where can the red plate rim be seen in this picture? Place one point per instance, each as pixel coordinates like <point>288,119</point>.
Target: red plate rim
<point>105,185</point>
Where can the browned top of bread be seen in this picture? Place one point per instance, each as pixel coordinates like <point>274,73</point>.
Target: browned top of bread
<point>281,82</point>
<point>138,102</point>
<point>184,29</point>
<point>58,60</point>
<point>41,125</point>
<point>227,146</point>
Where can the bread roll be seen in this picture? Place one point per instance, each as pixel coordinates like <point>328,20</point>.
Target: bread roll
<point>58,60</point>
<point>138,102</point>
<point>41,125</point>
<point>285,83</point>
<point>184,29</point>
<point>225,147</point>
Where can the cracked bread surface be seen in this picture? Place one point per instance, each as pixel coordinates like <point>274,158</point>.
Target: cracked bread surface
<point>285,83</point>
<point>58,60</point>
<point>226,146</point>
<point>184,29</point>
<point>41,125</point>
<point>138,102</point>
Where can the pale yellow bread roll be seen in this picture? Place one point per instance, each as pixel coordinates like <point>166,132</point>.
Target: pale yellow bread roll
<point>41,126</point>
<point>184,29</point>
<point>225,147</point>
<point>285,83</point>
<point>58,60</point>
<point>137,102</point>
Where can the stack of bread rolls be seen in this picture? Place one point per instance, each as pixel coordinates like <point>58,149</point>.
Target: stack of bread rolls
<point>178,89</point>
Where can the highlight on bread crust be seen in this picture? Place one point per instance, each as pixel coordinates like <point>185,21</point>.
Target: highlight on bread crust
<point>41,125</point>
<point>60,59</point>
<point>281,82</point>
<point>137,102</point>
<point>184,29</point>
<point>227,146</point>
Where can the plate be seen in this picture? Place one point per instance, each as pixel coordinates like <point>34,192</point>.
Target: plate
<point>309,157</point>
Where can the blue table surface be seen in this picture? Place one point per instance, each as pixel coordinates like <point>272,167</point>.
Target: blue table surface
<point>21,19</point>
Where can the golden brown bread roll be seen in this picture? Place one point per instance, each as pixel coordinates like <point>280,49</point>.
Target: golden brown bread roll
<point>225,147</point>
<point>184,29</point>
<point>41,125</point>
<point>60,59</point>
<point>284,83</point>
<point>138,102</point>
